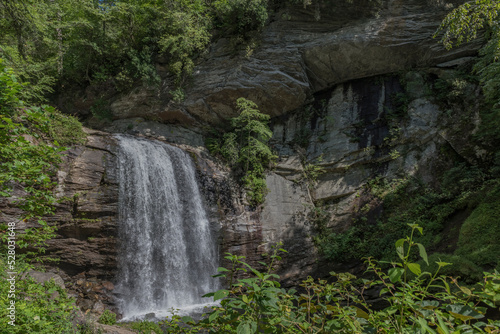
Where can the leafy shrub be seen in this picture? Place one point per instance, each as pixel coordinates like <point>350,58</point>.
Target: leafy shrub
<point>463,189</point>
<point>188,36</point>
<point>66,130</point>
<point>428,303</point>
<point>107,318</point>
<point>340,245</point>
<point>479,235</point>
<point>146,327</point>
<point>242,16</point>
<point>40,308</point>
<point>144,68</point>
<point>27,160</point>
<point>9,90</point>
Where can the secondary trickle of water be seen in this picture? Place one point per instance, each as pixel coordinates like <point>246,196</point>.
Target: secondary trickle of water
<point>168,253</point>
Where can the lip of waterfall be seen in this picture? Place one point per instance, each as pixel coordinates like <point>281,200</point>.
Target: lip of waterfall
<point>168,252</point>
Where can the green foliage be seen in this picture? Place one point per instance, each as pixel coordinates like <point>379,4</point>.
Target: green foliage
<point>464,24</point>
<point>84,42</point>
<point>189,35</point>
<point>426,303</point>
<point>54,44</point>
<point>241,16</point>
<point>40,308</point>
<point>246,148</point>
<point>400,101</point>
<point>339,245</point>
<point>480,233</point>
<point>461,267</point>
<point>29,159</point>
<point>178,95</point>
<point>24,25</point>
<point>107,318</point>
<point>66,130</point>
<point>9,90</point>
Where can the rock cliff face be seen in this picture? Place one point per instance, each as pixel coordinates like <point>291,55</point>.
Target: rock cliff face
<point>87,221</point>
<point>87,218</point>
<point>301,52</point>
<point>327,76</point>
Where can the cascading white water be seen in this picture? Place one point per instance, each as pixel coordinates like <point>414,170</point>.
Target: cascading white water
<point>168,252</point>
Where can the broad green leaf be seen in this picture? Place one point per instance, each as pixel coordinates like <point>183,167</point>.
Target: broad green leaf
<point>400,248</point>
<point>219,275</point>
<point>423,324</point>
<point>187,319</point>
<point>442,326</point>
<point>443,264</point>
<point>463,312</point>
<point>466,290</point>
<point>220,294</point>
<point>243,328</point>
<point>395,274</point>
<point>423,253</point>
<point>213,316</point>
<point>415,268</point>
<point>361,314</point>
<point>222,269</point>
<point>428,304</point>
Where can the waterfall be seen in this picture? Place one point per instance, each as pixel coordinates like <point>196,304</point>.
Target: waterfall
<point>167,253</point>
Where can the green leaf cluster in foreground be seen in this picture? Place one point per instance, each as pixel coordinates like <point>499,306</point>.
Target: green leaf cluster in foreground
<point>39,308</point>
<point>426,303</point>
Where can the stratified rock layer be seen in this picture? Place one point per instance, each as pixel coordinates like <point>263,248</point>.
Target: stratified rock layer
<point>302,52</point>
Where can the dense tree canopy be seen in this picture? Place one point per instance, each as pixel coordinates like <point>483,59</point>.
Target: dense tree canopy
<point>66,41</point>
<point>55,43</point>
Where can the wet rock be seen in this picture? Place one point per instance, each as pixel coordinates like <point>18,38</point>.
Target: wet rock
<point>108,286</point>
<point>85,304</point>
<point>98,307</point>
<point>107,329</point>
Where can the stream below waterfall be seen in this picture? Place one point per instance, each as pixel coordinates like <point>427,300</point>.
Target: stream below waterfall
<point>168,250</point>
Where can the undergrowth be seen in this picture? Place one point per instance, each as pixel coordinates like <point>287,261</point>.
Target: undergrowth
<point>416,300</point>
